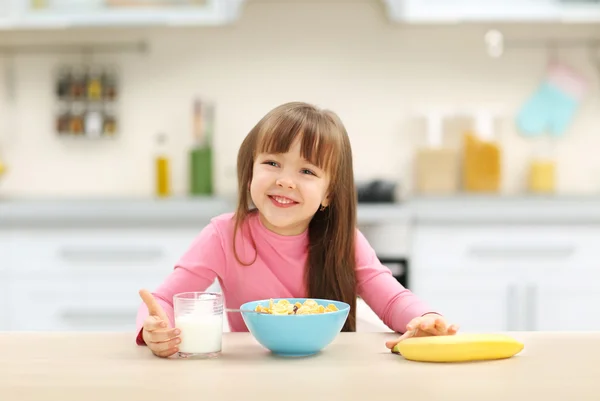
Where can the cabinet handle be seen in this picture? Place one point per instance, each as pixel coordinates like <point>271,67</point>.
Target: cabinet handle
<point>516,252</point>
<point>94,316</point>
<point>110,255</point>
<point>531,305</point>
<point>511,308</point>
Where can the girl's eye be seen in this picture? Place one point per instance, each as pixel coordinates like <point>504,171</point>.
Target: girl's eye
<point>270,163</point>
<point>307,171</point>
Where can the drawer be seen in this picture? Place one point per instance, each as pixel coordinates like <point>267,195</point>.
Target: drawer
<point>5,250</point>
<point>505,247</point>
<point>476,302</point>
<point>90,304</point>
<point>388,240</point>
<point>4,301</point>
<point>108,251</point>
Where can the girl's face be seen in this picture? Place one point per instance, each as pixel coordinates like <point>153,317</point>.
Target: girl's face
<point>287,190</point>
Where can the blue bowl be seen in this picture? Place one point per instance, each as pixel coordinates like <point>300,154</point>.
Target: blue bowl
<point>295,335</point>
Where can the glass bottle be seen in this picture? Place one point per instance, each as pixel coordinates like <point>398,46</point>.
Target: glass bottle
<point>163,187</point>
<point>76,126</point>
<point>94,84</point>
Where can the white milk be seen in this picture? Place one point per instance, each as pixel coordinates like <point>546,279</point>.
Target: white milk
<point>200,333</point>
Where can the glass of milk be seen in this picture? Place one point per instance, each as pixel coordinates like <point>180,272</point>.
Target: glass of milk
<point>199,317</point>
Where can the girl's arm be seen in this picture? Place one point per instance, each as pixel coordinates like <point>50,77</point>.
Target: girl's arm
<point>196,270</point>
<point>393,303</point>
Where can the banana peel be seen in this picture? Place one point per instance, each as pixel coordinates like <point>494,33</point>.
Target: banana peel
<point>458,348</point>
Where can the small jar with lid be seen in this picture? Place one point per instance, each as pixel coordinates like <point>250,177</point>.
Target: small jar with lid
<point>63,83</point>
<point>110,120</point>
<point>76,123</point>
<point>94,84</point>
<point>78,83</point>
<point>63,118</point>
<point>109,84</point>
<point>94,121</point>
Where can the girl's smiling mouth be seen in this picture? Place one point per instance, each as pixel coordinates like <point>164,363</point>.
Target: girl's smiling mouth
<point>282,201</point>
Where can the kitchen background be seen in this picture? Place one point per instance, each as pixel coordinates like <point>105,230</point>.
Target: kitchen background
<point>491,215</point>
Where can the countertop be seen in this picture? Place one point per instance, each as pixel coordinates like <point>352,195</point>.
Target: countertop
<point>480,209</point>
<point>356,366</point>
<point>150,211</point>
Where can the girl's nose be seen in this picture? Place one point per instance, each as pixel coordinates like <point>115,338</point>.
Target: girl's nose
<point>285,182</point>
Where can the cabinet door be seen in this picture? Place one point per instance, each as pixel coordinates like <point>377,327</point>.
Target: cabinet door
<point>476,302</point>
<point>110,252</point>
<point>94,303</point>
<point>5,263</point>
<point>88,278</point>
<point>503,249</point>
<point>564,302</point>
<point>367,320</point>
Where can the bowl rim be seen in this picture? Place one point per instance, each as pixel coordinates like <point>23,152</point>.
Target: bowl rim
<point>346,308</point>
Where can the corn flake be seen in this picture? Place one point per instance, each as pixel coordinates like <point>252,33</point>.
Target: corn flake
<point>285,307</point>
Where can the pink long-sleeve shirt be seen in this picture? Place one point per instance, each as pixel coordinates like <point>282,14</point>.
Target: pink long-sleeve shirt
<point>277,273</point>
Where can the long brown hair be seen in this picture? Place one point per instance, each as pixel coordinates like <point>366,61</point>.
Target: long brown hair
<point>330,272</point>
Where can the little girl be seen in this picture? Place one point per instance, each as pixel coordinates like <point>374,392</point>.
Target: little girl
<point>293,235</point>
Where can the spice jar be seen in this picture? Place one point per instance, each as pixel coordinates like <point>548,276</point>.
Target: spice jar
<point>63,83</point>
<point>78,83</point>
<point>76,122</point>
<point>94,121</point>
<point>62,120</point>
<point>109,82</point>
<point>94,84</point>
<point>110,122</point>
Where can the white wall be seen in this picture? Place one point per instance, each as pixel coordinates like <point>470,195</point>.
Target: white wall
<point>342,55</point>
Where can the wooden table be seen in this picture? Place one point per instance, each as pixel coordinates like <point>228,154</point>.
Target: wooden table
<point>357,366</point>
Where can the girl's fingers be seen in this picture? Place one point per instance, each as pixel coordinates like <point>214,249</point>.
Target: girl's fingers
<point>414,324</point>
<point>429,326</point>
<point>441,326</point>
<point>392,343</point>
<point>161,347</point>
<point>166,353</point>
<point>159,336</point>
<point>153,323</point>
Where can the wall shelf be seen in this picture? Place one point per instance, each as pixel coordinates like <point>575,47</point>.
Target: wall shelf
<point>482,11</point>
<point>31,14</point>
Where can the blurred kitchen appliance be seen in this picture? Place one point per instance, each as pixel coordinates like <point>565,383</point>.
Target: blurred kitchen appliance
<point>399,267</point>
<point>389,238</point>
<point>376,191</point>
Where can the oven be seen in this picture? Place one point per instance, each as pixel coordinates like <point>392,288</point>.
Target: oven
<point>390,240</point>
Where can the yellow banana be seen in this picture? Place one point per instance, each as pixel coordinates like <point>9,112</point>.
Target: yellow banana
<point>458,348</point>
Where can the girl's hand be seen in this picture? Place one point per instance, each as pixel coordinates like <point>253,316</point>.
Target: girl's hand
<point>430,324</point>
<point>158,334</point>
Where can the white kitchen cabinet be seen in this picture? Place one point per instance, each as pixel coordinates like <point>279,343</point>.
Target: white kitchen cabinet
<point>5,263</point>
<point>564,302</point>
<point>78,252</point>
<point>509,277</point>
<point>22,14</point>
<point>501,248</point>
<point>5,259</point>
<point>476,302</point>
<point>453,11</point>
<point>389,240</point>
<point>86,304</point>
<point>87,278</point>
